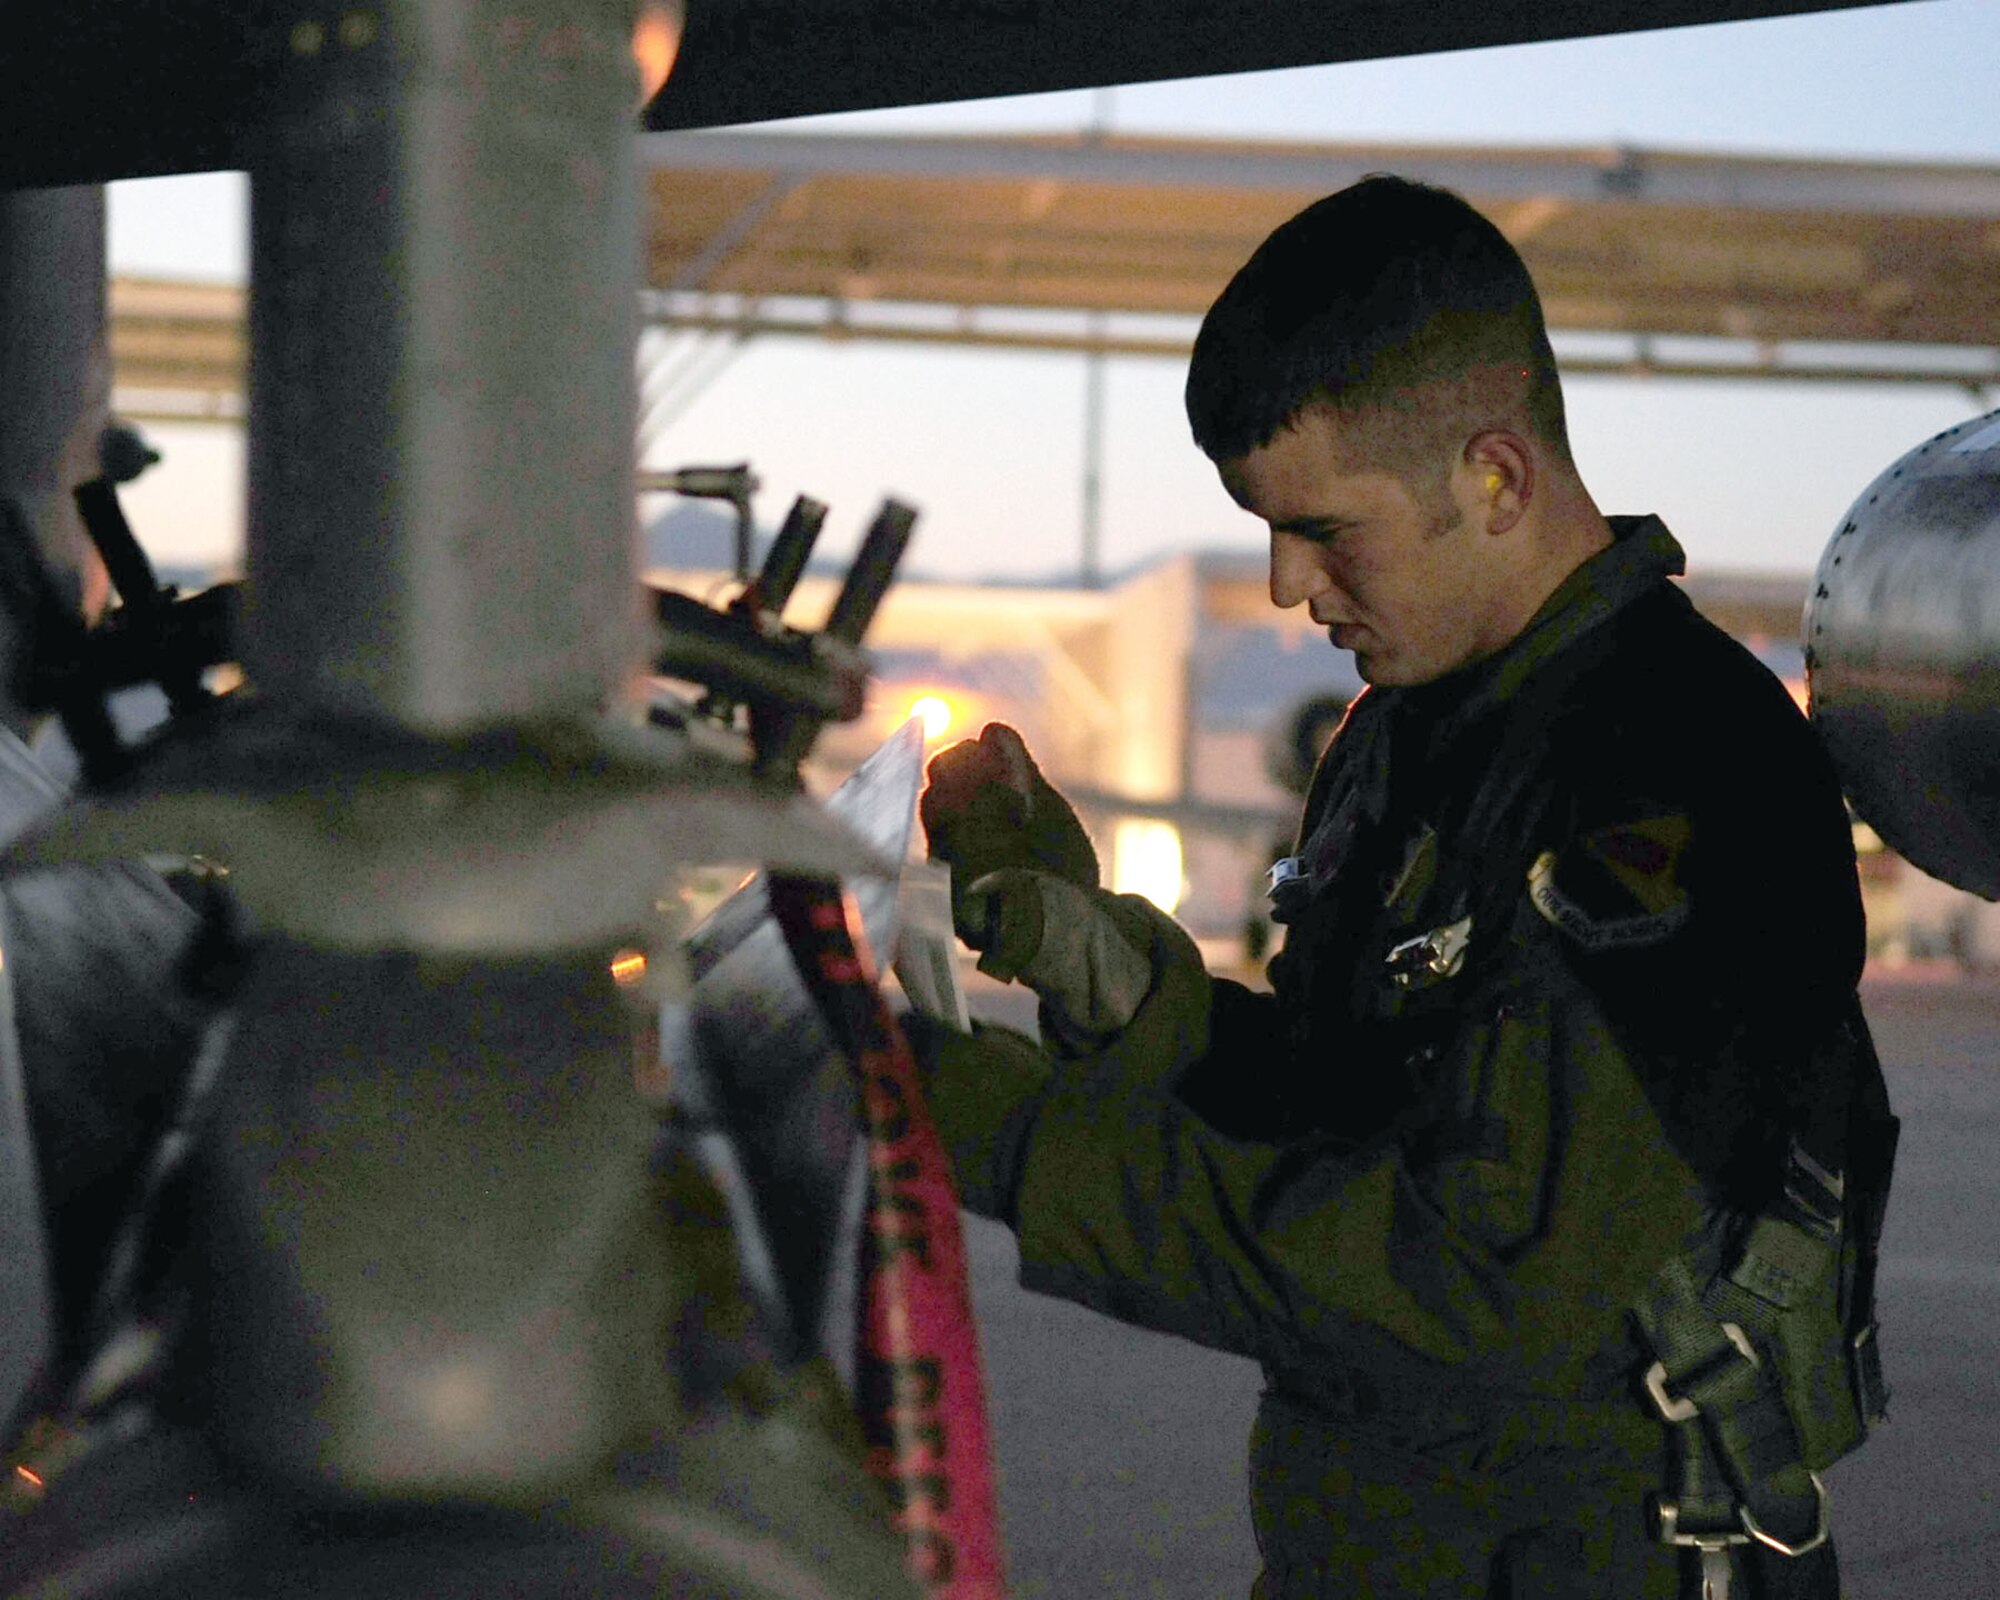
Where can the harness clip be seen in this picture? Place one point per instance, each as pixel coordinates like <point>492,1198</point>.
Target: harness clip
<point>1678,1408</point>
<point>1289,887</point>
<point>1821,1524</point>
<point>1437,954</point>
<point>1668,1530</point>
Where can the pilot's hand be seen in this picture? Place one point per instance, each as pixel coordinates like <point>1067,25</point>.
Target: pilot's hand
<point>986,807</point>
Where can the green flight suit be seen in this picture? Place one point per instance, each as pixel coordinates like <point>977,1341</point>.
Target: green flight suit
<point>1422,1193</point>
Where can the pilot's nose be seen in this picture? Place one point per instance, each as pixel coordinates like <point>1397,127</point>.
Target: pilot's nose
<point>1297,572</point>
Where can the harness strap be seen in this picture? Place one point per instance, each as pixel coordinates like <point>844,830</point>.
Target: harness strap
<point>1740,1469</point>
<point>1871,1164</point>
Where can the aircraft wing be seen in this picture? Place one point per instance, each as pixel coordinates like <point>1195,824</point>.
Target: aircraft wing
<point>100,89</point>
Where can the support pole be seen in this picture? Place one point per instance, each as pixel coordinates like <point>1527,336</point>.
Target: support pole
<point>1092,570</point>
<point>55,375</point>
<point>444,256</point>
<point>1091,566</point>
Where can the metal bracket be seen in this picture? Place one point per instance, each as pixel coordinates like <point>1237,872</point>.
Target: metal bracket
<point>1822,1524</point>
<point>1439,953</point>
<point>1678,1408</point>
<point>1668,1514</point>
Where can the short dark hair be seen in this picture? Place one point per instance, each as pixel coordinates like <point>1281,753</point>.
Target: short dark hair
<point>1368,299</point>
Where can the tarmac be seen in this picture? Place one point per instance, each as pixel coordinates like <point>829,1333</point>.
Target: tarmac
<point>1121,1452</point>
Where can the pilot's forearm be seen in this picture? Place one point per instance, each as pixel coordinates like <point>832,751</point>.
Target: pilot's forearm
<point>982,1090</point>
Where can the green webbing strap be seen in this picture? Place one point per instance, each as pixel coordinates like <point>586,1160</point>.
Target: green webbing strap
<point>1740,1472</point>
<point>1736,1326</point>
<point>1871,1164</point>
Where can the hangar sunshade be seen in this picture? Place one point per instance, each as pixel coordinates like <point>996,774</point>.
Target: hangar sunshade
<point>1649,261</point>
<point>814,233</point>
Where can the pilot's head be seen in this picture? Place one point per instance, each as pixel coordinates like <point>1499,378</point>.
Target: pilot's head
<point>1377,385</point>
<point>1379,302</point>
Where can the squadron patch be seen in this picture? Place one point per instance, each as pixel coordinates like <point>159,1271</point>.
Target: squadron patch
<point>1616,887</point>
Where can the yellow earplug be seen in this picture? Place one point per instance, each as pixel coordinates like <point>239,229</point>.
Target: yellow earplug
<point>1493,481</point>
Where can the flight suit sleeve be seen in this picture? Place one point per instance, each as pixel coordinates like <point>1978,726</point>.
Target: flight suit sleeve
<point>1506,1256</point>
<point>985,1088</point>
<point>1703,890</point>
<point>1583,1120</point>
<point>1512,1236</point>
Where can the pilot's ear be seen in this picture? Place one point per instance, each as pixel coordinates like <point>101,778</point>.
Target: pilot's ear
<point>1500,466</point>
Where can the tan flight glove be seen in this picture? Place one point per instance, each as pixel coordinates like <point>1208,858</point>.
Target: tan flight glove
<point>986,806</point>
<point>1025,895</point>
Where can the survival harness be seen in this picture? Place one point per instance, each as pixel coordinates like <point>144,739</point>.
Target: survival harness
<point>1766,1365</point>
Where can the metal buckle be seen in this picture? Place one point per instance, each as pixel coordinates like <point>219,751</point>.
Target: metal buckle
<point>1441,953</point>
<point>1818,1194</point>
<point>1820,1529</point>
<point>1861,1343</point>
<point>1285,870</point>
<point>1713,1547</point>
<point>1288,886</point>
<point>1834,1183</point>
<point>1864,1366</point>
<point>1677,1408</point>
<point>1669,1514</point>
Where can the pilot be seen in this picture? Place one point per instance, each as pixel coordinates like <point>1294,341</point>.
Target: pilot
<point>1554,1112</point>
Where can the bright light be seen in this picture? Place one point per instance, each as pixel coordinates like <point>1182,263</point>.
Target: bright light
<point>934,712</point>
<point>656,41</point>
<point>1146,860</point>
<point>628,967</point>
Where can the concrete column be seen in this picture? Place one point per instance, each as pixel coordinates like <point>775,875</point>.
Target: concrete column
<point>55,380</point>
<point>444,258</point>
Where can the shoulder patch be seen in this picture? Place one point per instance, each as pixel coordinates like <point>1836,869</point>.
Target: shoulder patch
<point>1616,887</point>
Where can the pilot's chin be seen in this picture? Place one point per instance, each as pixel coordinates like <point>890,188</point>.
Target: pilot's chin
<point>1385,672</point>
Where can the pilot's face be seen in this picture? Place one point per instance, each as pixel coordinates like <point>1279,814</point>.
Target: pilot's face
<point>1397,579</point>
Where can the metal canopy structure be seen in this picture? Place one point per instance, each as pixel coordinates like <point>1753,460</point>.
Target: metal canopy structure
<point>178,350</point>
<point>1649,261</point>
<point>790,233</point>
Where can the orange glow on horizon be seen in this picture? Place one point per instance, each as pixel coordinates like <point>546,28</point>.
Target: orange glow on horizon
<point>656,42</point>
<point>936,713</point>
